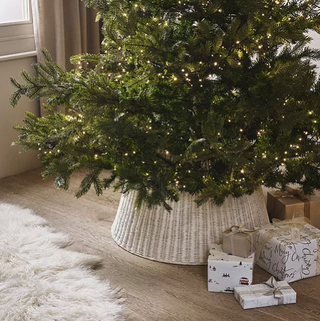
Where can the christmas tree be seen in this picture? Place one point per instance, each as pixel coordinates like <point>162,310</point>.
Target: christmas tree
<point>208,97</point>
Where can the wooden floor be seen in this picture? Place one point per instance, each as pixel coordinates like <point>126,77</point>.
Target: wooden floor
<point>152,290</point>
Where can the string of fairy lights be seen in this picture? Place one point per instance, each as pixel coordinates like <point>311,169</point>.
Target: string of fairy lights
<point>186,75</point>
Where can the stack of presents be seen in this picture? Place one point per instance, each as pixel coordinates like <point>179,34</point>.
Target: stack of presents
<point>287,249</point>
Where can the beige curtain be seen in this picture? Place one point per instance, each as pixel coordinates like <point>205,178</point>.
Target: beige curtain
<point>65,28</point>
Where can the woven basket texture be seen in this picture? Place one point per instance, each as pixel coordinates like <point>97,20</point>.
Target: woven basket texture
<point>184,235</point>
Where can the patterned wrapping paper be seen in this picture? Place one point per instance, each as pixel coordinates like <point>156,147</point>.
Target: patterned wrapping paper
<point>227,271</point>
<point>289,251</point>
<point>265,294</point>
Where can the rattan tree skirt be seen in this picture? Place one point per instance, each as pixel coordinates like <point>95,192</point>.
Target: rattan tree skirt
<point>184,235</point>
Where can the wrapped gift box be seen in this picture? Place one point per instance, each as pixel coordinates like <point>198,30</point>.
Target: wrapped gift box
<point>264,295</point>
<point>227,271</point>
<point>287,206</point>
<point>289,251</point>
<point>239,241</point>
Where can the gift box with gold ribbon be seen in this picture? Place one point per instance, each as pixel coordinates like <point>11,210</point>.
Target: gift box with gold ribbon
<point>265,294</point>
<point>293,203</point>
<point>238,240</point>
<point>288,249</point>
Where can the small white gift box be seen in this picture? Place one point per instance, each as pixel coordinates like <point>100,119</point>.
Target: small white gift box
<point>289,252</point>
<point>226,271</point>
<point>266,294</point>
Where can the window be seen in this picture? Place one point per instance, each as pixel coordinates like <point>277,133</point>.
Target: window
<point>16,29</point>
<point>14,11</point>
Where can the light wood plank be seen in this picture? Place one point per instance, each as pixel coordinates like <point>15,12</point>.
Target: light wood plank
<point>152,290</point>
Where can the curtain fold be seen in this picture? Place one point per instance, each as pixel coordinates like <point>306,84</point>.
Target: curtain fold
<point>65,28</point>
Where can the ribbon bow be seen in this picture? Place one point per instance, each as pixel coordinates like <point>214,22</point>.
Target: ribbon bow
<point>275,288</point>
<point>292,222</point>
<point>235,229</point>
<point>291,192</point>
<point>232,231</point>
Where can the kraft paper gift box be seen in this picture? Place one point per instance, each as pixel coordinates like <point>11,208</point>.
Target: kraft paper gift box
<point>265,294</point>
<point>285,206</point>
<point>227,271</point>
<point>239,241</point>
<point>289,251</point>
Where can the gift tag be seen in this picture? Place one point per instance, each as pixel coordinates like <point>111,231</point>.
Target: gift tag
<point>295,234</point>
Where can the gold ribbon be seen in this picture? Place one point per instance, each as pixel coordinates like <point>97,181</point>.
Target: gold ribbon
<point>291,192</point>
<point>235,229</point>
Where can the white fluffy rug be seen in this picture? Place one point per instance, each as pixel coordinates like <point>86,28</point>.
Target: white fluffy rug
<point>41,281</point>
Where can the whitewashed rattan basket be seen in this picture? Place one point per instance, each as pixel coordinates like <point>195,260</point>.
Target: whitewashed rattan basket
<point>184,235</point>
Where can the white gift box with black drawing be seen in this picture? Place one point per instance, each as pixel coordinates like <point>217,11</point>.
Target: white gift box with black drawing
<point>226,271</point>
<point>289,252</point>
<point>265,294</point>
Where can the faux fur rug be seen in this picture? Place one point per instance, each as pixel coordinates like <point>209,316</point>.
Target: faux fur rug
<point>41,281</point>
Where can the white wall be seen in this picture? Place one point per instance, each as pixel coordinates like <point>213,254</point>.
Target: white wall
<point>11,162</point>
<point>315,43</point>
